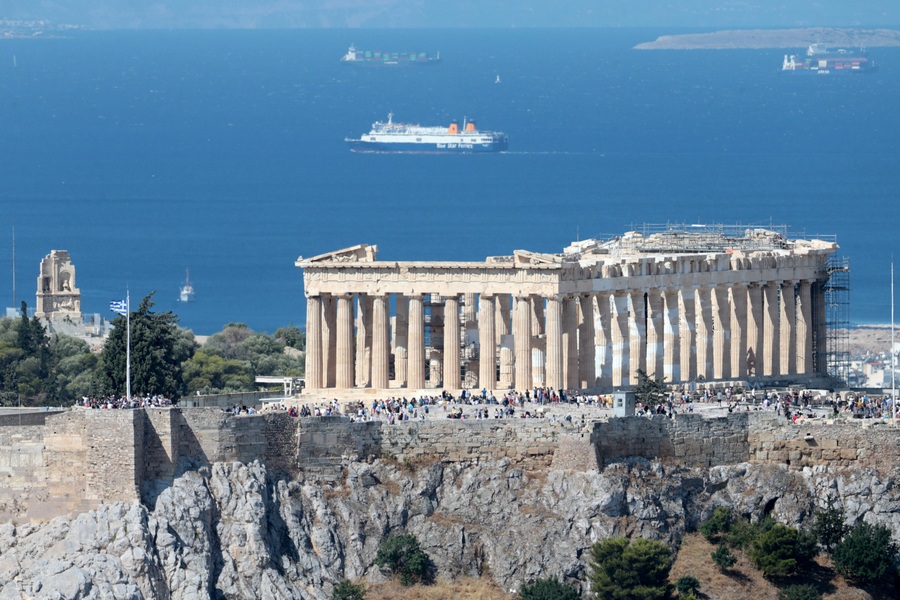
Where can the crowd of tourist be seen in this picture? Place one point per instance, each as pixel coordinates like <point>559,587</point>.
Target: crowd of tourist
<point>116,402</point>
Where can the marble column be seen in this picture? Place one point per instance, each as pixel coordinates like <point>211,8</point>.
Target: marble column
<point>671,370</point>
<point>655,345</point>
<point>787,321</point>
<point>487,343</point>
<point>363,340</point>
<point>586,342</point>
<point>687,318</point>
<point>538,342</point>
<point>329,337</point>
<point>704,333</point>
<point>554,365</point>
<point>804,328</point>
<point>401,341</point>
<point>570,342</point>
<point>344,377</point>
<point>619,334</point>
<point>314,342</point>
<point>820,327</point>
<point>770,363</point>
<point>754,329</point>
<point>721,333</point>
<point>637,338</point>
<point>738,298</point>
<point>416,368</point>
<point>522,335</point>
<point>381,343</point>
<point>451,343</point>
<point>506,340</point>
<point>603,336</point>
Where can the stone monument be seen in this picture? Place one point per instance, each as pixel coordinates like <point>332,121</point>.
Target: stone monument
<point>57,296</point>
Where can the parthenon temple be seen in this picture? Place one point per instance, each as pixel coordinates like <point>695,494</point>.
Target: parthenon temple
<point>697,303</point>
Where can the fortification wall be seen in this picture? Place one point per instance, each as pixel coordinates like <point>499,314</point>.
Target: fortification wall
<point>56,463</point>
<point>837,443</point>
<point>689,439</point>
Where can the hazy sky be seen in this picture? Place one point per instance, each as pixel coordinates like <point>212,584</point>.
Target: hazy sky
<point>457,13</point>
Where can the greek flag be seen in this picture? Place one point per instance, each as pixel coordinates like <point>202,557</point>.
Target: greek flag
<point>119,307</point>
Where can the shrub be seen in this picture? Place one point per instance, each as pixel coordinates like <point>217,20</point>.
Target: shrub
<point>829,527</point>
<point>773,551</point>
<point>402,556</point>
<point>623,569</point>
<point>723,557</point>
<point>347,590</point>
<point>548,589</point>
<point>806,548</point>
<point>687,585</point>
<point>800,592</point>
<point>866,553</point>
<point>718,524</point>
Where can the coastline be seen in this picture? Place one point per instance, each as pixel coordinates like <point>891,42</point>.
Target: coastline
<point>744,39</point>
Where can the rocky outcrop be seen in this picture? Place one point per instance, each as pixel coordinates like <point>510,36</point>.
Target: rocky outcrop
<point>233,530</point>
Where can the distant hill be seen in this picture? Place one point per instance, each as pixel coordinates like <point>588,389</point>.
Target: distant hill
<point>775,38</point>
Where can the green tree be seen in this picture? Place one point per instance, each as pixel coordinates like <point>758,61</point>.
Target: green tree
<point>210,373</point>
<point>548,589</point>
<point>723,558</point>
<point>623,569</point>
<point>687,585</point>
<point>866,553</point>
<point>156,354</point>
<point>402,556</point>
<point>774,551</point>
<point>291,336</point>
<point>829,527</point>
<point>648,390</point>
<point>717,525</point>
<point>800,592</point>
<point>347,590</point>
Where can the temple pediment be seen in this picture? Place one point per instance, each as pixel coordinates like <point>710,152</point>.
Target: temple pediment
<point>524,257</point>
<point>357,253</point>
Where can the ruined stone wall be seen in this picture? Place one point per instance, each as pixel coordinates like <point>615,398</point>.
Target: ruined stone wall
<point>71,461</point>
<point>838,443</point>
<point>689,439</point>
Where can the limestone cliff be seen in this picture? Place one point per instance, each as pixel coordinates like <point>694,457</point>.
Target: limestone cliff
<point>233,530</point>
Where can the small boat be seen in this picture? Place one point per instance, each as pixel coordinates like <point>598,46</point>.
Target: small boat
<point>497,80</point>
<point>187,290</point>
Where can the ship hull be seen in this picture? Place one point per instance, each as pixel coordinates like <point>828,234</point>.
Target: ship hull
<point>427,148</point>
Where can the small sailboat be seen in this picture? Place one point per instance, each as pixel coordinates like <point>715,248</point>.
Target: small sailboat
<point>497,80</point>
<point>187,290</point>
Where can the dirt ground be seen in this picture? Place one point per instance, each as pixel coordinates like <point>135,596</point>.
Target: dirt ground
<point>871,339</point>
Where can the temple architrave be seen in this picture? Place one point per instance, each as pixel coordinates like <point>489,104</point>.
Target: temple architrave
<point>692,304</point>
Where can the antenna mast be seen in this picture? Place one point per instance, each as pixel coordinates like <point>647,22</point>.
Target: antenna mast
<point>14,266</point>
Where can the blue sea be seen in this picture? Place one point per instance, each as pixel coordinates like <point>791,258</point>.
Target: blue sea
<point>148,153</point>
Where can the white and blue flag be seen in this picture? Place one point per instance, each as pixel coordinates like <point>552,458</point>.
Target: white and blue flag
<point>119,307</point>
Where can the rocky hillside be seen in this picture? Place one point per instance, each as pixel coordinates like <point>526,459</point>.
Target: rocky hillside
<point>236,531</point>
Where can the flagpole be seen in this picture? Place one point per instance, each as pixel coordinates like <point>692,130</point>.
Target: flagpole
<point>128,344</point>
<point>893,359</point>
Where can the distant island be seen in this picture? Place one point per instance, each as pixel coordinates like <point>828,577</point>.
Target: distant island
<point>774,38</point>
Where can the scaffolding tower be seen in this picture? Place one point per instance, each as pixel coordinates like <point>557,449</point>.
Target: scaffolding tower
<point>837,319</point>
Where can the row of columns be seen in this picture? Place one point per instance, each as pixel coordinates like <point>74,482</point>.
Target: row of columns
<point>596,340</point>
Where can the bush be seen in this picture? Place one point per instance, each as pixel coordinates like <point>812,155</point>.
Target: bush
<point>687,585</point>
<point>717,525</point>
<point>800,592</point>
<point>548,589</point>
<point>402,556</point>
<point>829,527</point>
<point>347,590</point>
<point>774,551</point>
<point>743,532</point>
<point>866,553</point>
<point>622,569</point>
<point>723,557</point>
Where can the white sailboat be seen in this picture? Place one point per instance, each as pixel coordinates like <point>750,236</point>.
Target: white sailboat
<point>187,290</point>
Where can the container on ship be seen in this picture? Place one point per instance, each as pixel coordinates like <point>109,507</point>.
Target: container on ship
<point>388,136</point>
<point>396,59</point>
<point>824,61</point>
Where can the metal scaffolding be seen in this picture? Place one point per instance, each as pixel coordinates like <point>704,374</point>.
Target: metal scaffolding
<point>684,238</point>
<point>837,319</point>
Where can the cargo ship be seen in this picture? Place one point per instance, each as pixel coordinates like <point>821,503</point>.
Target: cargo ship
<point>378,58</point>
<point>402,137</point>
<point>824,61</point>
